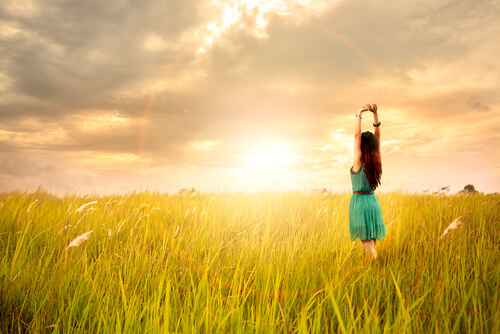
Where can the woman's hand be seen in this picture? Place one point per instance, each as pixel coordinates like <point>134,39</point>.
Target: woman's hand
<point>368,107</point>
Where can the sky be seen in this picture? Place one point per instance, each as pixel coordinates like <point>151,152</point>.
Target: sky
<point>113,96</point>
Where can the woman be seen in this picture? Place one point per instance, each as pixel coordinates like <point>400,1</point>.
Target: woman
<point>365,214</point>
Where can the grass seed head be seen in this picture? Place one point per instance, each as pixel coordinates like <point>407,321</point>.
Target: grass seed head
<point>85,205</point>
<point>76,242</point>
<point>454,224</point>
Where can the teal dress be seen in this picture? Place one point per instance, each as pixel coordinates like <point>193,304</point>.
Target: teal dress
<point>365,214</point>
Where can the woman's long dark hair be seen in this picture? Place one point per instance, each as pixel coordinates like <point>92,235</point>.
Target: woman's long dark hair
<point>371,159</point>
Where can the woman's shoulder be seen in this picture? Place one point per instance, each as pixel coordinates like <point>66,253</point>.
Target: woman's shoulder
<point>354,172</point>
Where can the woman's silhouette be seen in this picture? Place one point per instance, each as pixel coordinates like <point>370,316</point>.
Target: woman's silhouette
<point>365,213</point>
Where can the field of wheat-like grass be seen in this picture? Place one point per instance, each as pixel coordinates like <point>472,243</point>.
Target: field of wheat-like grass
<point>267,263</point>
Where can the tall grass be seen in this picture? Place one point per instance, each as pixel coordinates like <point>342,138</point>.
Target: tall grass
<point>267,262</point>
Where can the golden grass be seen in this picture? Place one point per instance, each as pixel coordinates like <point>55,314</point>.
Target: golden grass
<point>266,262</point>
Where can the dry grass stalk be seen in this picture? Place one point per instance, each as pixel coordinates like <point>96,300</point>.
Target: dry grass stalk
<point>85,205</point>
<point>454,224</point>
<point>76,242</point>
<point>29,208</point>
<point>64,228</point>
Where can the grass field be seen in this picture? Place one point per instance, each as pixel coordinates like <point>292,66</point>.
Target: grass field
<point>266,262</point>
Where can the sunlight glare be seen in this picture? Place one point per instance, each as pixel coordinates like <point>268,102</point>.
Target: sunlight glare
<point>114,159</point>
<point>207,145</point>
<point>275,156</point>
<point>271,166</point>
<point>103,121</point>
<point>253,15</point>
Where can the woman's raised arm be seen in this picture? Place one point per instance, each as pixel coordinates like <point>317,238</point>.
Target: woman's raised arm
<point>356,165</point>
<point>376,123</point>
<point>376,126</point>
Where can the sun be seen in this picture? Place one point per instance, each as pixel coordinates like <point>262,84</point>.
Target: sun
<point>273,157</point>
<point>267,166</point>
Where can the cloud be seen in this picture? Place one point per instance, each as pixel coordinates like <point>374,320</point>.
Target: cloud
<point>74,54</point>
<point>111,88</point>
<point>22,167</point>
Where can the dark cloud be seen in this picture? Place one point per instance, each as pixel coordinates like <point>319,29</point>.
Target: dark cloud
<point>77,54</point>
<point>21,167</point>
<point>476,104</point>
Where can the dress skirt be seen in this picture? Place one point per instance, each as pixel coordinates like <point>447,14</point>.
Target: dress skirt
<point>365,217</point>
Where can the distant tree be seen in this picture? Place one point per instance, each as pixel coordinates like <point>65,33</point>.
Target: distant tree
<point>469,189</point>
<point>187,191</point>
